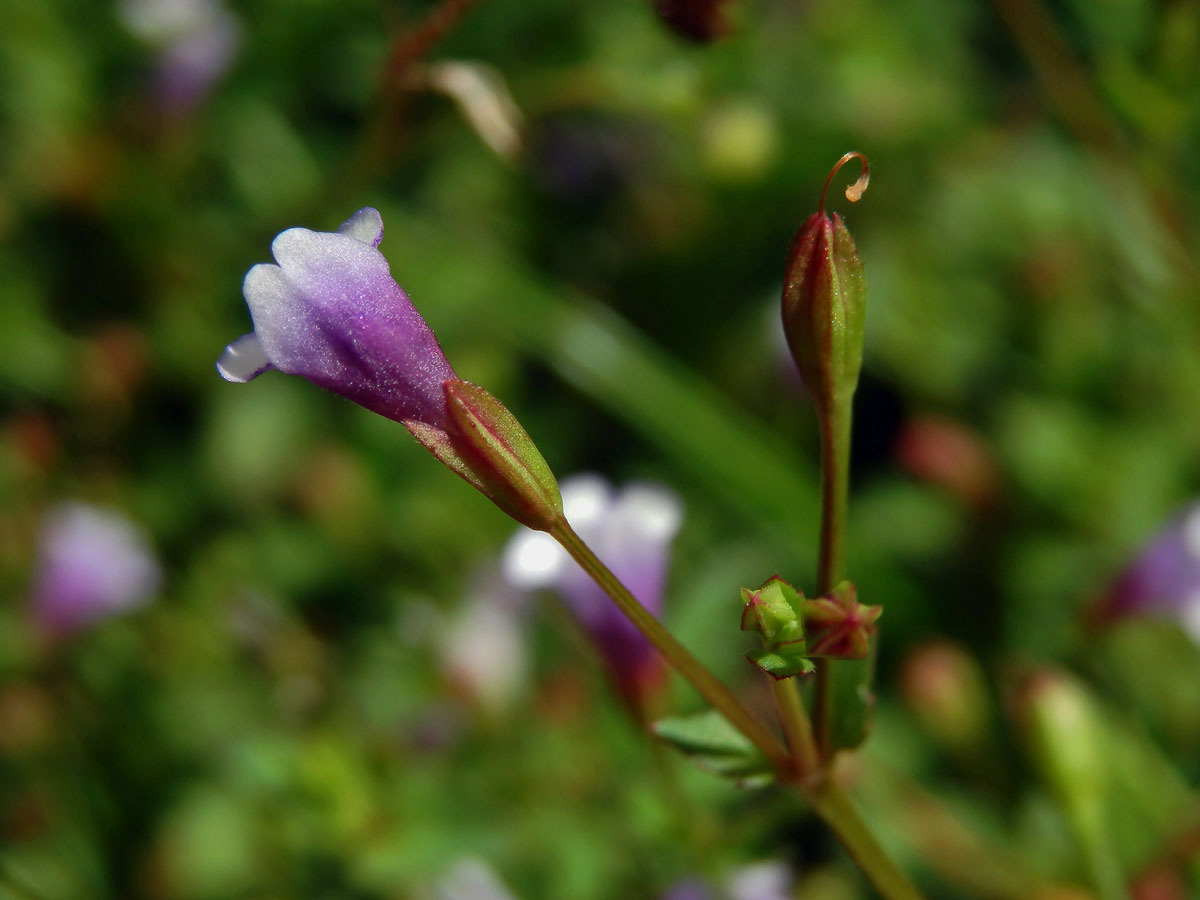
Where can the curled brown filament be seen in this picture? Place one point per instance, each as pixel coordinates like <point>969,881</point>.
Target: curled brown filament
<point>854,191</point>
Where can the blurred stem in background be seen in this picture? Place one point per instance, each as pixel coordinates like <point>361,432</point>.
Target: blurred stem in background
<point>380,139</point>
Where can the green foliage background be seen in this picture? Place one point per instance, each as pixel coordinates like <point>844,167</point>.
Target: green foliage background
<point>276,724</point>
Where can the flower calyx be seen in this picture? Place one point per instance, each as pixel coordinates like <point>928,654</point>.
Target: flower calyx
<point>795,629</point>
<point>837,625</point>
<point>487,447</point>
<point>774,611</point>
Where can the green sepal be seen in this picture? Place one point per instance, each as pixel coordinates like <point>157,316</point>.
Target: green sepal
<point>716,746</point>
<point>782,662</point>
<point>489,448</point>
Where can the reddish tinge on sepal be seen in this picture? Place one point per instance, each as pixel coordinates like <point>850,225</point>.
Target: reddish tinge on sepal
<point>487,447</point>
<point>837,625</point>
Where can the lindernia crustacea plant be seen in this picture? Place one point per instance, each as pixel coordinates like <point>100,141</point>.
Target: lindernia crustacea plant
<point>631,531</point>
<point>330,311</point>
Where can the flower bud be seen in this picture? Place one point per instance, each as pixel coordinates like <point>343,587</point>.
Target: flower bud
<point>824,300</point>
<point>773,610</point>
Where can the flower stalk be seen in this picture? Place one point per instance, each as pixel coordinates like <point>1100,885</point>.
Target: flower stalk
<point>678,656</point>
<point>834,426</point>
<point>801,765</point>
<point>837,810</point>
<point>824,312</point>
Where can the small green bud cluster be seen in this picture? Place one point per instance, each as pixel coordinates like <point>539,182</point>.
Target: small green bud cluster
<point>795,629</point>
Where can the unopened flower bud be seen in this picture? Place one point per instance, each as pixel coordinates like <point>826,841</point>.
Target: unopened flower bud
<point>773,610</point>
<point>825,299</point>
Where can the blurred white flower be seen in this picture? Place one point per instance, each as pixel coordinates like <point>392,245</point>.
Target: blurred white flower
<point>470,878</point>
<point>767,880</point>
<point>482,646</point>
<point>92,563</point>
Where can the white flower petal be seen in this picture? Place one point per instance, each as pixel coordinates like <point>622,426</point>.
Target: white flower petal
<point>648,512</point>
<point>243,360</point>
<point>586,500</point>
<point>533,559</point>
<point>366,225</point>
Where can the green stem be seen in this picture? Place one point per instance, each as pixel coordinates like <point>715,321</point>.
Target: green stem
<point>796,726</point>
<point>678,656</point>
<point>834,424</point>
<point>835,807</point>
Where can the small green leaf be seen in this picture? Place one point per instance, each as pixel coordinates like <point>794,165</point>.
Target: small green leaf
<point>782,662</point>
<point>716,746</point>
<point>854,698</point>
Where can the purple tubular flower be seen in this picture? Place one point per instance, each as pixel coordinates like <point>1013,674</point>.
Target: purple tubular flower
<point>1164,579</point>
<point>331,312</point>
<point>631,532</point>
<point>92,563</point>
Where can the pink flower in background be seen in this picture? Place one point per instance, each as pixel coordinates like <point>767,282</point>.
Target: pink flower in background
<point>331,312</point>
<point>1164,579</point>
<point>92,563</point>
<point>631,532</point>
<point>195,41</point>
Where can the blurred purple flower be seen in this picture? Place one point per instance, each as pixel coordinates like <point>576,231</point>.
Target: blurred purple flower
<point>631,532</point>
<point>688,889</point>
<point>764,880</point>
<point>1164,579</point>
<point>331,312</point>
<point>92,563</point>
<point>195,42</point>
